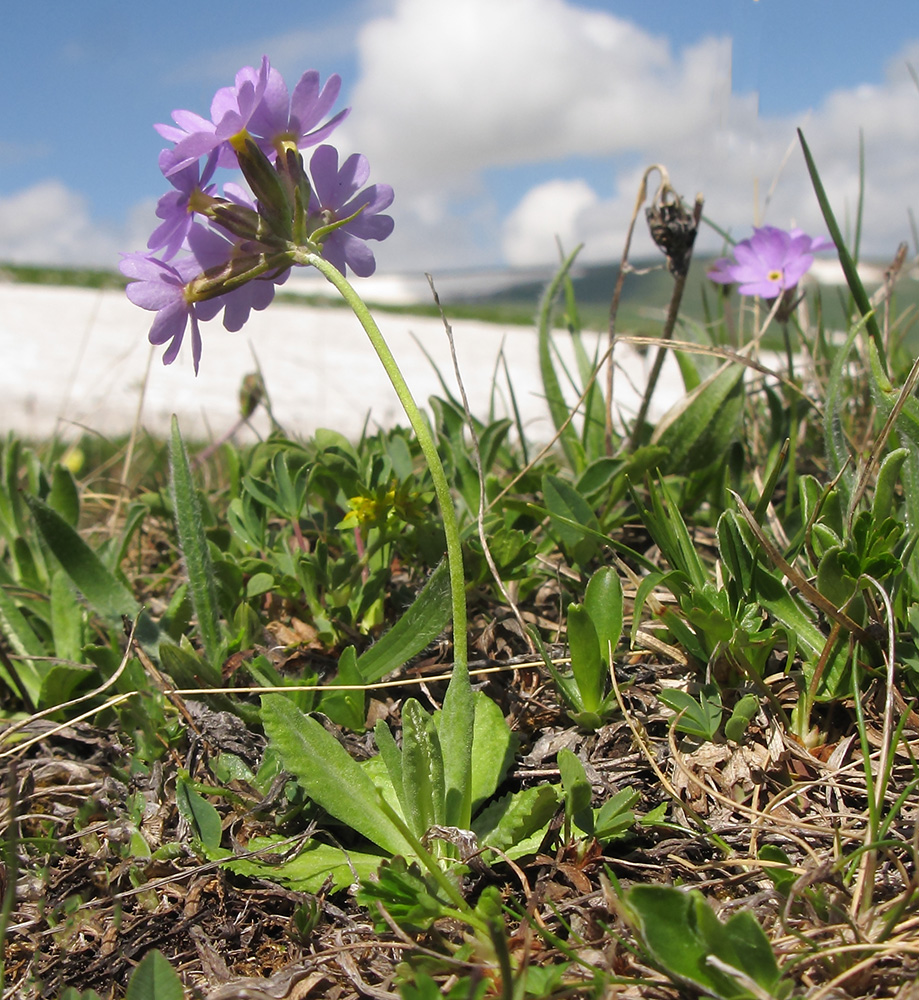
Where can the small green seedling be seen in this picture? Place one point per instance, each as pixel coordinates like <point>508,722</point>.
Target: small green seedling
<point>684,939</point>
<point>594,628</point>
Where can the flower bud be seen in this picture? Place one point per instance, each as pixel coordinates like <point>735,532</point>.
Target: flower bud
<point>241,221</point>
<point>275,206</point>
<point>242,266</point>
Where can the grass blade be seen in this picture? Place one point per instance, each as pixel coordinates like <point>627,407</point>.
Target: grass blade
<point>845,259</point>
<point>558,408</point>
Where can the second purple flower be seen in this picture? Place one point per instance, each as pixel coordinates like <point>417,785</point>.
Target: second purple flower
<point>770,262</point>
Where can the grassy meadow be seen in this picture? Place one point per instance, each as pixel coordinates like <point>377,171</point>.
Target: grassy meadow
<point>238,763</point>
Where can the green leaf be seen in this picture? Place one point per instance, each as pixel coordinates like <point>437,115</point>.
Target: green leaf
<point>615,817</point>
<point>701,717</point>
<point>193,545</point>
<point>409,896</point>
<point>391,756</point>
<point>327,773</point>
<point>155,979</point>
<point>422,769</point>
<point>66,618</point>
<point>493,747</point>
<point>849,268</point>
<point>775,597</point>
<point>62,681</point>
<point>836,405</point>
<point>574,521</point>
<point>186,666</point>
<point>782,878</point>
<point>101,588</point>
<point>558,407</point>
<point>509,821</point>
<point>578,791</point>
<point>64,496</point>
<point>697,429</point>
<point>198,813</point>
<point>743,713</point>
<point>590,671</point>
<point>98,585</point>
<point>666,526</point>
<point>347,708</point>
<point>681,934</point>
<point>308,871</point>
<point>421,624</point>
<point>735,551</point>
<point>603,601</point>
<point>457,730</point>
<point>25,643</point>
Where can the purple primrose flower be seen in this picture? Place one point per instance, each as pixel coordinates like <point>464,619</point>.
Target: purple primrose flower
<point>226,251</point>
<point>335,197</point>
<point>174,208</point>
<point>294,117</point>
<point>160,287</point>
<point>770,262</point>
<point>231,110</point>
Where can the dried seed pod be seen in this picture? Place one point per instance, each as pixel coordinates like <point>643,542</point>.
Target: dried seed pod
<point>673,228</point>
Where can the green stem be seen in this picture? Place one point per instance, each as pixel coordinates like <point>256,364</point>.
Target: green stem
<point>425,440</point>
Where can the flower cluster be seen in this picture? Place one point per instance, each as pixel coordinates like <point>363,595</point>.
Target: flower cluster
<point>227,251</point>
<point>770,262</point>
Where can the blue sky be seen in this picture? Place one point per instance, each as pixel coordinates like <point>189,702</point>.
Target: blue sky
<point>500,123</point>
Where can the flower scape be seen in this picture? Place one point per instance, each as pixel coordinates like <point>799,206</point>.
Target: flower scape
<point>450,711</point>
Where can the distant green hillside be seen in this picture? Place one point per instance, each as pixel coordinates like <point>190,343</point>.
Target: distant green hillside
<point>646,294</point>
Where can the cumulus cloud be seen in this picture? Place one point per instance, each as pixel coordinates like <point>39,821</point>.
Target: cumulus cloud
<point>547,213</point>
<point>49,223</point>
<point>475,84</point>
<point>451,95</point>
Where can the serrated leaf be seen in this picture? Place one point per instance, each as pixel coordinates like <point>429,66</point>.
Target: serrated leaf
<point>510,820</point>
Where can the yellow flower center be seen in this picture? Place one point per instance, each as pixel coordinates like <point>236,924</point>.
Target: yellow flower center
<point>775,275</point>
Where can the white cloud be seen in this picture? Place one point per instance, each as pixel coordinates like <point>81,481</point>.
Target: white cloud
<point>49,223</point>
<point>449,89</point>
<point>547,214</point>
<point>450,93</point>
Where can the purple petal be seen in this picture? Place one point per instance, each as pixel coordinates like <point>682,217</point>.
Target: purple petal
<point>169,325</point>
